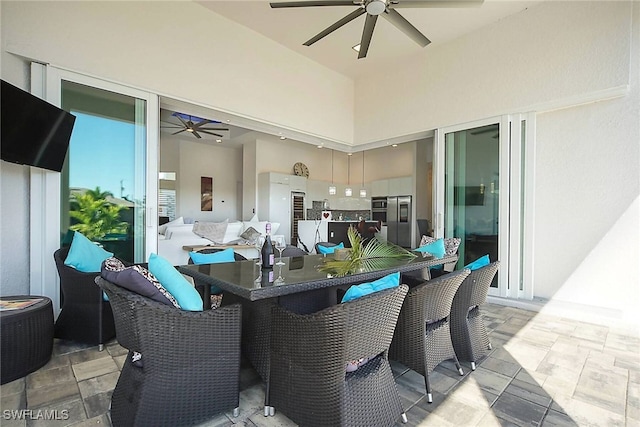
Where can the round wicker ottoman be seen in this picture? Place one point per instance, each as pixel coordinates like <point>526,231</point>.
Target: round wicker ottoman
<point>26,337</point>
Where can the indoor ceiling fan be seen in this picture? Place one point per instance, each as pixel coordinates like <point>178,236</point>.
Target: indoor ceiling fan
<point>187,124</point>
<point>374,8</point>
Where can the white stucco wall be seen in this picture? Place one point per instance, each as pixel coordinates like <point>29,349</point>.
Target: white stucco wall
<point>185,51</point>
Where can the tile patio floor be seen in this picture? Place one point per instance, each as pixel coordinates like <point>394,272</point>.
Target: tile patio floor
<point>543,370</point>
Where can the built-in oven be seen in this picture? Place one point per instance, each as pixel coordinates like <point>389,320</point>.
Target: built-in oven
<point>379,209</point>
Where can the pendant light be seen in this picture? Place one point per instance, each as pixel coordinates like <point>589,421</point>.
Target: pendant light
<point>363,191</point>
<point>347,191</point>
<point>332,187</point>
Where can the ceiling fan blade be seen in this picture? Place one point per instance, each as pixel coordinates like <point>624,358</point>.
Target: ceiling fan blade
<point>218,129</point>
<point>196,134</point>
<point>280,4</point>
<point>180,131</point>
<point>210,133</point>
<point>201,123</point>
<point>350,17</point>
<point>367,33</point>
<point>185,124</point>
<point>171,126</point>
<point>397,4</point>
<point>405,26</point>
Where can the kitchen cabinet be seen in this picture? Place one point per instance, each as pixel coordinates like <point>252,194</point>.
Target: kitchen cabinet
<point>380,188</point>
<point>401,186</point>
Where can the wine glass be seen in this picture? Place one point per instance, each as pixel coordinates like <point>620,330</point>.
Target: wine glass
<point>258,245</point>
<point>280,246</point>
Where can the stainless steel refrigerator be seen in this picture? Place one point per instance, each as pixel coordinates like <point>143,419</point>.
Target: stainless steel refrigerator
<point>399,220</point>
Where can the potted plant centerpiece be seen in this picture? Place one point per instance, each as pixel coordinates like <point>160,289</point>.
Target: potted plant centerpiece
<point>364,255</point>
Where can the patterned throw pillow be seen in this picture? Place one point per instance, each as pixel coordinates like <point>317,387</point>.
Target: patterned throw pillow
<point>136,279</point>
<point>451,244</point>
<point>250,234</point>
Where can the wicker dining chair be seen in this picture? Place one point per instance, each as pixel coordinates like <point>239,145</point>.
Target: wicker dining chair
<point>325,245</point>
<point>308,381</point>
<point>85,316</point>
<point>468,332</point>
<point>190,365</point>
<point>422,340</point>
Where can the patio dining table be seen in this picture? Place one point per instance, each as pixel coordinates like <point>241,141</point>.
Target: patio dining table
<point>300,275</point>
<point>305,288</point>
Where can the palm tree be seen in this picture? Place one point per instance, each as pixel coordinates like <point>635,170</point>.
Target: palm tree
<point>94,216</point>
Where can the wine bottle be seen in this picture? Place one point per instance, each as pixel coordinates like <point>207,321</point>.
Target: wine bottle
<point>268,257</point>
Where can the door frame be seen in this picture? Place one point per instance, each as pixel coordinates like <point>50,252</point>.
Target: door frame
<point>516,203</point>
<point>45,185</point>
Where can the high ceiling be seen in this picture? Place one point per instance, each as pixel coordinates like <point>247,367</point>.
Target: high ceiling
<point>291,27</point>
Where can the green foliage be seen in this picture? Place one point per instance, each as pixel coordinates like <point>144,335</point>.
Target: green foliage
<point>375,255</point>
<point>96,217</point>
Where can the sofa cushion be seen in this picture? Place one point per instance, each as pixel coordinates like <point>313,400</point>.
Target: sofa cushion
<point>175,283</point>
<point>233,231</point>
<point>137,279</point>
<point>84,255</point>
<point>356,291</point>
<point>213,231</point>
<point>163,228</point>
<point>261,226</point>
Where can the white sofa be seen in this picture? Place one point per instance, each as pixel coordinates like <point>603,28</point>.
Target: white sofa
<point>176,234</point>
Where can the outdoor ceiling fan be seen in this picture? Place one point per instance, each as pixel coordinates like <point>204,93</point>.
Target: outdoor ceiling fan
<point>187,124</point>
<point>374,8</point>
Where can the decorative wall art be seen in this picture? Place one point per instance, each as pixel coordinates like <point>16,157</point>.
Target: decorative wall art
<point>206,193</point>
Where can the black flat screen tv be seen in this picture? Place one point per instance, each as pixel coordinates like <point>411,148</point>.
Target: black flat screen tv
<point>32,131</point>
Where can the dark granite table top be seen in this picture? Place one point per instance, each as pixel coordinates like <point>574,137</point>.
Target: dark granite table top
<point>244,278</point>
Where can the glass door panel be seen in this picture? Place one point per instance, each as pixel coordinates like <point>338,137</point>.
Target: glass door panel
<point>471,191</point>
<point>103,184</point>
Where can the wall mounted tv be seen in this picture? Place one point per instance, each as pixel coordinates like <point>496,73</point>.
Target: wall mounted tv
<point>32,131</point>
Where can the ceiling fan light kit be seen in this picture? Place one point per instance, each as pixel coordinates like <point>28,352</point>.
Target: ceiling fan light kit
<point>373,9</point>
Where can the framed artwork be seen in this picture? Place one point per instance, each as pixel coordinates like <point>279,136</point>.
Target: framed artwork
<point>206,193</point>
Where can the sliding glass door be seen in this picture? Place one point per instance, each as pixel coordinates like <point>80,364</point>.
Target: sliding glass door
<point>103,186</point>
<point>482,194</point>
<point>108,189</point>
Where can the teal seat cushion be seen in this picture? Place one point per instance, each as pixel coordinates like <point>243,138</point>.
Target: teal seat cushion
<point>84,255</point>
<point>175,283</point>
<point>324,250</point>
<point>437,248</point>
<point>483,261</point>
<point>356,291</point>
<point>213,258</point>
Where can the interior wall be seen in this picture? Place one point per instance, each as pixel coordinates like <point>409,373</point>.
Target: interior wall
<point>184,51</point>
<point>196,160</point>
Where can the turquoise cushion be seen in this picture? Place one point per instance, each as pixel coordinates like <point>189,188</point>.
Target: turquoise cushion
<point>213,258</point>
<point>436,248</point>
<point>186,295</point>
<point>84,255</point>
<point>329,249</point>
<point>483,261</point>
<point>356,291</point>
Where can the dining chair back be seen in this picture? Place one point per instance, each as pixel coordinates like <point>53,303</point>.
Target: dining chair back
<point>183,367</point>
<point>85,316</point>
<point>308,381</point>
<point>422,339</point>
<point>468,331</point>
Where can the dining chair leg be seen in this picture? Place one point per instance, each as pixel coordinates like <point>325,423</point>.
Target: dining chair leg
<point>473,366</point>
<point>404,418</point>
<point>236,411</point>
<point>428,388</point>
<point>100,347</point>
<point>460,371</point>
